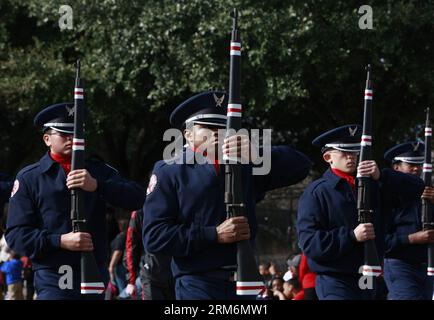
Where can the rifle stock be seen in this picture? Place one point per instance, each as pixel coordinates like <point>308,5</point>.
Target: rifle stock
<point>427,218</point>
<point>249,281</point>
<point>365,210</point>
<point>91,282</point>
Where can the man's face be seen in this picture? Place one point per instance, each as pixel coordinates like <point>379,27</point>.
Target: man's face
<point>273,269</point>
<point>263,270</point>
<point>203,137</point>
<point>58,142</point>
<point>411,168</point>
<point>342,160</point>
<point>293,270</point>
<point>287,288</point>
<point>277,284</point>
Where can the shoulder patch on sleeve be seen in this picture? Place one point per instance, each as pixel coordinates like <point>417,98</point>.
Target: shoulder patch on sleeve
<point>152,184</point>
<point>15,187</point>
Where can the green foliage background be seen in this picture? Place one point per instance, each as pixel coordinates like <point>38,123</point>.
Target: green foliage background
<point>303,70</point>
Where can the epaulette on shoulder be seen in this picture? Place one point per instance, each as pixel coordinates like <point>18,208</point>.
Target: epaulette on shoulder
<point>99,161</point>
<point>316,184</point>
<point>106,164</point>
<point>28,168</point>
<point>168,166</point>
<point>174,160</point>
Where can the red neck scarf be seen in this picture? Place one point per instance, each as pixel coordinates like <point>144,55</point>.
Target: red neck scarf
<point>346,176</point>
<point>64,161</point>
<point>216,161</point>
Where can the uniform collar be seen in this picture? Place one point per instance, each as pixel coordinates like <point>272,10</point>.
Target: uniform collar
<point>191,156</point>
<point>46,162</point>
<point>332,178</point>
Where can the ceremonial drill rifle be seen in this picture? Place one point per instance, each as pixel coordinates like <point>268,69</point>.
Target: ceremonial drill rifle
<point>365,210</point>
<point>427,217</point>
<point>91,282</point>
<point>249,281</point>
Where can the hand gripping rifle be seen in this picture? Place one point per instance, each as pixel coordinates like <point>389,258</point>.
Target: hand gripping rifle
<point>249,281</point>
<point>365,211</point>
<point>427,217</point>
<point>91,282</point>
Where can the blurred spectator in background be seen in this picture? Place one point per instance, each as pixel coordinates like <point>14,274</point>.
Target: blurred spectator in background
<point>117,270</point>
<point>267,294</point>
<point>6,184</point>
<point>264,271</point>
<point>277,284</point>
<point>289,290</point>
<point>4,256</point>
<point>292,289</point>
<point>274,270</point>
<point>307,280</point>
<point>112,226</point>
<point>4,250</point>
<point>13,272</point>
<point>28,276</point>
<point>293,264</point>
<point>155,281</point>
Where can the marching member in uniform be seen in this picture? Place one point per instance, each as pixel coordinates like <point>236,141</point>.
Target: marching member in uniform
<point>327,223</point>
<point>39,223</point>
<point>405,261</point>
<point>185,208</point>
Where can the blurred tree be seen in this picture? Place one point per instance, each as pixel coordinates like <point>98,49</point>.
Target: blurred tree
<point>303,69</point>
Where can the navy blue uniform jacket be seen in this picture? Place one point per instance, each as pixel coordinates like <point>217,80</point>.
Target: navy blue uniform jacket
<point>404,220</point>
<point>327,217</point>
<point>187,203</point>
<point>39,211</point>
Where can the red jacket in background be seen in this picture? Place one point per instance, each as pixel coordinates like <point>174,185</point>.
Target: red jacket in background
<point>134,245</point>
<point>299,296</point>
<point>305,275</point>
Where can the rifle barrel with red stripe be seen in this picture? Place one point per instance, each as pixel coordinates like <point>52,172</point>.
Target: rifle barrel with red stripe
<point>427,217</point>
<point>372,266</point>
<point>249,281</point>
<point>91,282</point>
